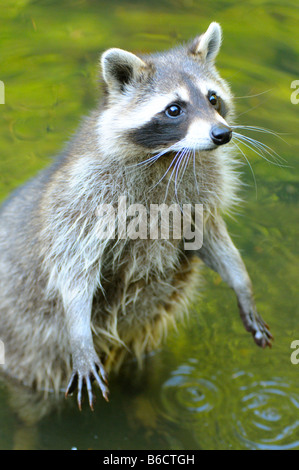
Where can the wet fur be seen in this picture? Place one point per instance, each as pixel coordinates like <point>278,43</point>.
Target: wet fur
<point>53,268</point>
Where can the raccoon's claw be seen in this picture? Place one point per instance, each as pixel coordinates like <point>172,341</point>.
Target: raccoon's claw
<point>79,378</point>
<point>262,335</point>
<point>257,327</point>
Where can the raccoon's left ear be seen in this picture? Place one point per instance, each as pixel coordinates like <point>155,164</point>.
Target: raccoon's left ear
<point>120,67</point>
<point>207,46</point>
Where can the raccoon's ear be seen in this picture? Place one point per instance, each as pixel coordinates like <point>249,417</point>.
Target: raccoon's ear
<point>208,44</point>
<point>120,67</point>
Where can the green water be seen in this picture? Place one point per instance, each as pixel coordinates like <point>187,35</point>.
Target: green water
<point>209,386</point>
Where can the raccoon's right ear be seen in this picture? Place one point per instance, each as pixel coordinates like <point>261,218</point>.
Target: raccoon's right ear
<point>207,46</point>
<point>120,67</point>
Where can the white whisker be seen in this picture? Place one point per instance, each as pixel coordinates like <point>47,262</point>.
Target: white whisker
<point>184,164</point>
<point>177,172</point>
<point>161,179</point>
<point>253,145</point>
<point>150,161</point>
<point>263,130</point>
<point>253,96</point>
<point>194,171</point>
<point>177,156</point>
<point>264,148</point>
<point>250,166</point>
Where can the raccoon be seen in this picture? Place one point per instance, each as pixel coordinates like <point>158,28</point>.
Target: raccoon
<point>73,305</point>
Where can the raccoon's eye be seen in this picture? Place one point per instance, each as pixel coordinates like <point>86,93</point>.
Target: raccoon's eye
<point>214,100</point>
<point>173,111</point>
<point>217,103</point>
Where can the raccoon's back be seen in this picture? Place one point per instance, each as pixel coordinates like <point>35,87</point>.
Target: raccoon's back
<point>22,281</point>
<point>19,222</point>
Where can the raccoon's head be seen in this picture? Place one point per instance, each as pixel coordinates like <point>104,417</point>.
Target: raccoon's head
<point>166,101</point>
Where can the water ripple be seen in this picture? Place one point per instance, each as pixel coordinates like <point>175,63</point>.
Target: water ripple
<point>187,394</point>
<point>237,411</point>
<point>268,417</point>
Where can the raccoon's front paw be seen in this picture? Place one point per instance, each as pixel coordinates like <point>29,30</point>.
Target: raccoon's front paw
<point>257,327</point>
<point>86,369</point>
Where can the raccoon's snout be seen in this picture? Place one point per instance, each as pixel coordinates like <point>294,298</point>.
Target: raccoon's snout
<point>220,134</point>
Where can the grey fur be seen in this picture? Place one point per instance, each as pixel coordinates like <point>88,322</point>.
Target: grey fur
<point>70,304</point>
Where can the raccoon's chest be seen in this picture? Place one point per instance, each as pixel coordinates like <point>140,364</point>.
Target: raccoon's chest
<point>141,272</point>
<point>199,179</point>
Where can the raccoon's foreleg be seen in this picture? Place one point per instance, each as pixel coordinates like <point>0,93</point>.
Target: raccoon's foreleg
<point>219,253</point>
<point>87,367</point>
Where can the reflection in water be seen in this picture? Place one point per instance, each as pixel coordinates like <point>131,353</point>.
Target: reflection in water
<point>29,408</point>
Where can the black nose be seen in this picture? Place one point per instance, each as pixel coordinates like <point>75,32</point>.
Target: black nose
<point>220,134</point>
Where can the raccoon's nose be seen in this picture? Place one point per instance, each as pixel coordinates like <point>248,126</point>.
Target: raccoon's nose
<point>220,134</point>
